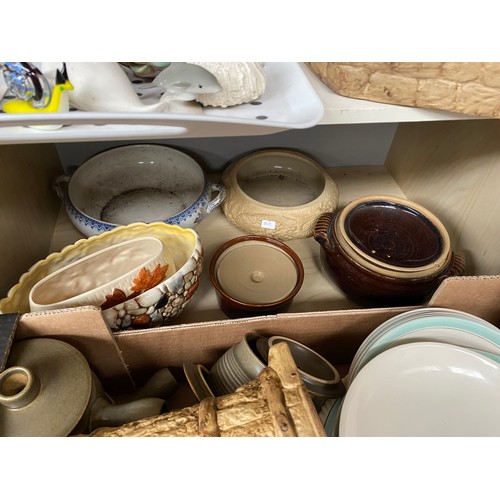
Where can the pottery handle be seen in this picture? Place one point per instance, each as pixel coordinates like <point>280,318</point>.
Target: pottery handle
<point>457,266</point>
<point>105,414</point>
<point>221,190</point>
<point>322,227</point>
<point>160,385</point>
<point>60,186</point>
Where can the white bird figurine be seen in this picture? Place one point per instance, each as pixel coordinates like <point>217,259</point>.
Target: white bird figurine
<point>105,87</point>
<point>101,87</point>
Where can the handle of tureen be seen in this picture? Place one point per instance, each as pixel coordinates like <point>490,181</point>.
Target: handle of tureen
<point>322,227</point>
<point>60,186</point>
<point>221,190</point>
<point>457,265</point>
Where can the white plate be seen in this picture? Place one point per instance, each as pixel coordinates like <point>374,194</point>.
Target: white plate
<point>430,324</point>
<point>409,316</point>
<point>424,389</point>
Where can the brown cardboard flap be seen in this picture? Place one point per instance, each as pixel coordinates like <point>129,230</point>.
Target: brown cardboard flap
<point>478,295</point>
<point>85,329</point>
<point>334,334</point>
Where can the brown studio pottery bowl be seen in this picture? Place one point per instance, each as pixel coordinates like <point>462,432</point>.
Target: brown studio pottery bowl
<point>394,279</point>
<point>255,275</point>
<point>277,193</point>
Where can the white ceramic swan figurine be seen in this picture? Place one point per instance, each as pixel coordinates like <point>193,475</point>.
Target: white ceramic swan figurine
<point>101,87</point>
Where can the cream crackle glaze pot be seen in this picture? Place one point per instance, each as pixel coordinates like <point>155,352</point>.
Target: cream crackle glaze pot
<point>279,193</point>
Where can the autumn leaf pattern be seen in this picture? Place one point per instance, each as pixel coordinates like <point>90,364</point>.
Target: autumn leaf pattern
<point>145,280</point>
<point>117,297</point>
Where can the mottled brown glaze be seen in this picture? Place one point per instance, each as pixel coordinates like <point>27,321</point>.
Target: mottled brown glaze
<point>393,233</point>
<point>369,288</point>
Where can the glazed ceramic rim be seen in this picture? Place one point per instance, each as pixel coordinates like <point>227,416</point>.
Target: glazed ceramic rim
<point>196,377</point>
<point>271,241</point>
<point>281,152</point>
<point>136,229</point>
<point>205,188</point>
<point>161,253</point>
<point>315,385</point>
<point>387,269</point>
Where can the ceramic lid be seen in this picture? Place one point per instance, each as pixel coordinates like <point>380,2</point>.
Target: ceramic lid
<point>256,271</point>
<point>44,390</point>
<point>393,234</point>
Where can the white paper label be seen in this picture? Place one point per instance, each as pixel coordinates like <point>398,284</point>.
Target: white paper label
<point>268,224</point>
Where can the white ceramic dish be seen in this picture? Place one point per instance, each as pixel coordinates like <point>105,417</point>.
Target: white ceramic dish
<point>89,280</point>
<point>424,389</point>
<point>138,183</point>
<point>428,324</point>
<point>167,298</point>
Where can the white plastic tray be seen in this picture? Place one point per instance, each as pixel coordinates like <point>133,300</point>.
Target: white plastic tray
<point>289,102</point>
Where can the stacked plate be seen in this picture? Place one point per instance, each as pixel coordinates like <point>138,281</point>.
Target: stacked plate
<point>427,372</point>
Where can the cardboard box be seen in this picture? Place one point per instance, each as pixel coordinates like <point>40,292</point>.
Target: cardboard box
<point>124,360</point>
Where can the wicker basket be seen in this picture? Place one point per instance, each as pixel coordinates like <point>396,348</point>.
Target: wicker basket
<point>472,88</point>
<point>274,404</point>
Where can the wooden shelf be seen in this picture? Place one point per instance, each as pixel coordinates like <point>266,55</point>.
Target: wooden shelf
<point>318,293</point>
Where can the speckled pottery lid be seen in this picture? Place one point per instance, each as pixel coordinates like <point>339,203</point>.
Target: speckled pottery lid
<point>256,273</point>
<point>45,389</point>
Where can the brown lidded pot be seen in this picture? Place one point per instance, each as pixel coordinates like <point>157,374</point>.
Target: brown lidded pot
<point>384,250</point>
<point>255,275</point>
